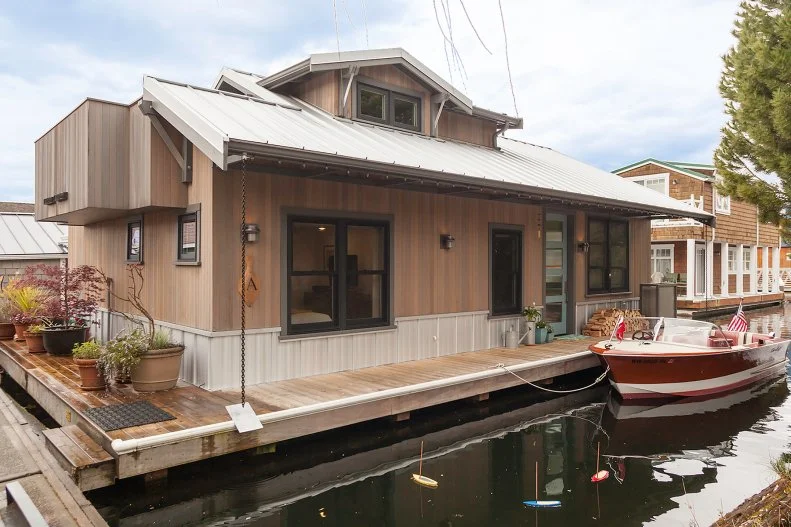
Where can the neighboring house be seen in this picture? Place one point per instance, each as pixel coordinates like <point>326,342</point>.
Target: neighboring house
<point>730,260</point>
<point>396,223</point>
<point>24,241</point>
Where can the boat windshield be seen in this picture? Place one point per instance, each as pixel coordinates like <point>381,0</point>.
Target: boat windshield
<point>686,331</point>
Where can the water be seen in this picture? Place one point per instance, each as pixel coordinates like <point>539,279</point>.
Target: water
<point>678,464</point>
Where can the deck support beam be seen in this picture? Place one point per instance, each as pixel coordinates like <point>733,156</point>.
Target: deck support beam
<point>765,282</point>
<point>403,416</point>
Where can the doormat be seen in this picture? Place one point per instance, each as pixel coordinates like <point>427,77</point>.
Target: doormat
<point>571,337</point>
<point>117,416</point>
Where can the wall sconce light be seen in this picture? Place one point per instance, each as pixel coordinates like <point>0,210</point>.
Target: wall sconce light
<point>675,182</point>
<point>583,246</point>
<point>446,241</point>
<point>251,232</point>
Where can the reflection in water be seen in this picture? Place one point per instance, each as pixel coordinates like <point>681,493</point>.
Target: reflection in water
<point>669,462</point>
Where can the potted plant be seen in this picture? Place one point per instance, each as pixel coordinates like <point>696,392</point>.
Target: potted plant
<point>71,297</point>
<point>26,302</point>
<point>550,333</point>
<point>155,364</point>
<point>7,329</point>
<point>541,332</point>
<point>531,314</point>
<point>87,357</point>
<point>35,339</point>
<point>121,354</point>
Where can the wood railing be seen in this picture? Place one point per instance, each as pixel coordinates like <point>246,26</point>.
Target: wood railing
<point>681,222</point>
<point>784,276</point>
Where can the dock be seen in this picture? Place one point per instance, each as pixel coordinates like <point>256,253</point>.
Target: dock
<point>201,428</point>
<point>700,307</point>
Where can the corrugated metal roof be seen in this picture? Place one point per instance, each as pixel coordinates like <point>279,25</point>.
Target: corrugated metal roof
<point>21,236</point>
<point>212,120</point>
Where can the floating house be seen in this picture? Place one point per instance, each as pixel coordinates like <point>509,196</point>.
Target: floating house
<point>394,237</point>
<point>714,267</point>
<point>25,242</point>
<point>393,219</point>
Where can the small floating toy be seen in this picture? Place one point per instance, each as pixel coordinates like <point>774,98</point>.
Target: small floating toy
<point>541,504</point>
<point>600,475</point>
<point>419,478</point>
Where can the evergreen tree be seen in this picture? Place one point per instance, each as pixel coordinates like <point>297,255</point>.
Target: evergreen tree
<point>756,86</point>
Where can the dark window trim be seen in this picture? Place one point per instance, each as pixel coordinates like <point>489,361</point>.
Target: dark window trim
<point>503,227</point>
<point>389,91</point>
<point>608,289</point>
<point>190,210</point>
<point>129,223</point>
<point>288,216</point>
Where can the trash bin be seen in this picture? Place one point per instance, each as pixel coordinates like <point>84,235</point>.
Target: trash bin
<point>658,300</point>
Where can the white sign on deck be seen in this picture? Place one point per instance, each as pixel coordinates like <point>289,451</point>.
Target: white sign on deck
<point>244,418</point>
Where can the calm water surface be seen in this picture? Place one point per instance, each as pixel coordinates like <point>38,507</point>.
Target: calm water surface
<point>674,464</point>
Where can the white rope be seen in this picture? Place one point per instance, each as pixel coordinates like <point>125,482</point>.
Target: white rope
<point>594,383</point>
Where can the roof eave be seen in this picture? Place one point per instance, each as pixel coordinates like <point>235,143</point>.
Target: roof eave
<point>274,151</point>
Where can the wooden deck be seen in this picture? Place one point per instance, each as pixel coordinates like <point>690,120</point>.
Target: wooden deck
<point>54,383</point>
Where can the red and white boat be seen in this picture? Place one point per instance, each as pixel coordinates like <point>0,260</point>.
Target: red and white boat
<point>673,357</point>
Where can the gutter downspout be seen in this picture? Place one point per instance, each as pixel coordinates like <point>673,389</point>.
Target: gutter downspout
<point>126,446</point>
<point>502,130</point>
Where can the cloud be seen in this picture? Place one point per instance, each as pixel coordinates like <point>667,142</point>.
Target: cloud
<point>607,82</point>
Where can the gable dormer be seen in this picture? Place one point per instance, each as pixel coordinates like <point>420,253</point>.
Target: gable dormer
<point>386,87</point>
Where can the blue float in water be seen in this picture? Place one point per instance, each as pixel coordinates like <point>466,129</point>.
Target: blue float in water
<point>538,504</point>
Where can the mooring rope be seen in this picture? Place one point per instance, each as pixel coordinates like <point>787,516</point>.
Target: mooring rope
<point>594,383</point>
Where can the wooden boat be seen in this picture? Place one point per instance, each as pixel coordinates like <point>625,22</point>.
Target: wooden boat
<point>672,357</point>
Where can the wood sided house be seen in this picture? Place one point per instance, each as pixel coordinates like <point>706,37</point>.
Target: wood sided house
<point>396,221</point>
<point>739,258</point>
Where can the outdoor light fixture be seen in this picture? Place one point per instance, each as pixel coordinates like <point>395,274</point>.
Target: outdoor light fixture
<point>446,241</point>
<point>251,231</point>
<point>583,246</point>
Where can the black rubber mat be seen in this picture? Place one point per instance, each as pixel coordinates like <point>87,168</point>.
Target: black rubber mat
<point>118,416</point>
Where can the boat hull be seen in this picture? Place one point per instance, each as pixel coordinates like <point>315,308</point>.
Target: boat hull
<point>654,375</point>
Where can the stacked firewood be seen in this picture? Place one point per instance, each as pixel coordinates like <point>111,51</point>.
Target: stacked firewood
<point>602,322</point>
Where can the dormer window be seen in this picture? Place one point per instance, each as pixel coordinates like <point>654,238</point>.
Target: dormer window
<point>388,107</point>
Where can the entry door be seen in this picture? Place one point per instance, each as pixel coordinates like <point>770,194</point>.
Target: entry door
<point>700,270</point>
<point>555,272</point>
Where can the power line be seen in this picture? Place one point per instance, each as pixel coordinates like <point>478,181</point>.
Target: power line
<point>444,41</point>
<point>365,21</point>
<point>507,61</point>
<point>473,26</point>
<point>337,37</point>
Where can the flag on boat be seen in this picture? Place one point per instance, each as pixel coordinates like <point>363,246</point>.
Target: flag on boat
<point>739,321</point>
<point>620,328</point>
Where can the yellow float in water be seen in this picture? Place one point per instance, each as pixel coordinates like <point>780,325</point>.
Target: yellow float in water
<point>419,478</point>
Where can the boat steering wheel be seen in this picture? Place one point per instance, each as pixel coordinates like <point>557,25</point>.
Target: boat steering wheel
<point>642,334</point>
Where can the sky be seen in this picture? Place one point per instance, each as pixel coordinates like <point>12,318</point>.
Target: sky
<point>609,82</point>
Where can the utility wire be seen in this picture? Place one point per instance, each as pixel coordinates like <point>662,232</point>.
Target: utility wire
<point>507,61</point>
<point>365,21</point>
<point>444,41</point>
<point>337,37</point>
<point>473,27</point>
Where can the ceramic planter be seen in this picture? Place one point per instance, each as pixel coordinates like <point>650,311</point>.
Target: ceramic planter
<point>90,376</point>
<point>541,335</point>
<point>530,327</point>
<point>7,330</point>
<point>158,370</point>
<point>20,330</point>
<point>61,341</point>
<point>550,337</point>
<point>35,342</point>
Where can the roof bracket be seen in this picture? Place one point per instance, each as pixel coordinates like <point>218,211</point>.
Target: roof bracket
<point>354,69</point>
<point>436,111</point>
<point>149,111</point>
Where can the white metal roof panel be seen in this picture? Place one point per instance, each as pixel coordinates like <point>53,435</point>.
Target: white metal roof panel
<point>22,236</point>
<point>532,168</point>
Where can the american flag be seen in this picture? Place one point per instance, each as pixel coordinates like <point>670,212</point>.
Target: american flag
<point>739,321</point>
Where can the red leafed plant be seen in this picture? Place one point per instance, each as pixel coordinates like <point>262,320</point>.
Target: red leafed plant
<point>71,294</point>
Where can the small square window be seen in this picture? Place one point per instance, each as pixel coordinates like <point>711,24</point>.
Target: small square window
<point>373,103</point>
<point>405,111</point>
<point>134,241</point>
<point>188,237</point>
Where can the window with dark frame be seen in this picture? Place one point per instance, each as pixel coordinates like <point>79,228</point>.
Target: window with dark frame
<point>134,241</point>
<point>506,271</point>
<point>388,107</point>
<point>188,237</point>
<point>608,256</point>
<point>337,274</point>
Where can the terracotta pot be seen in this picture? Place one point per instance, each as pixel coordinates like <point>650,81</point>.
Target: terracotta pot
<point>91,377</point>
<point>7,330</point>
<point>20,330</point>
<point>158,370</point>
<point>35,342</point>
